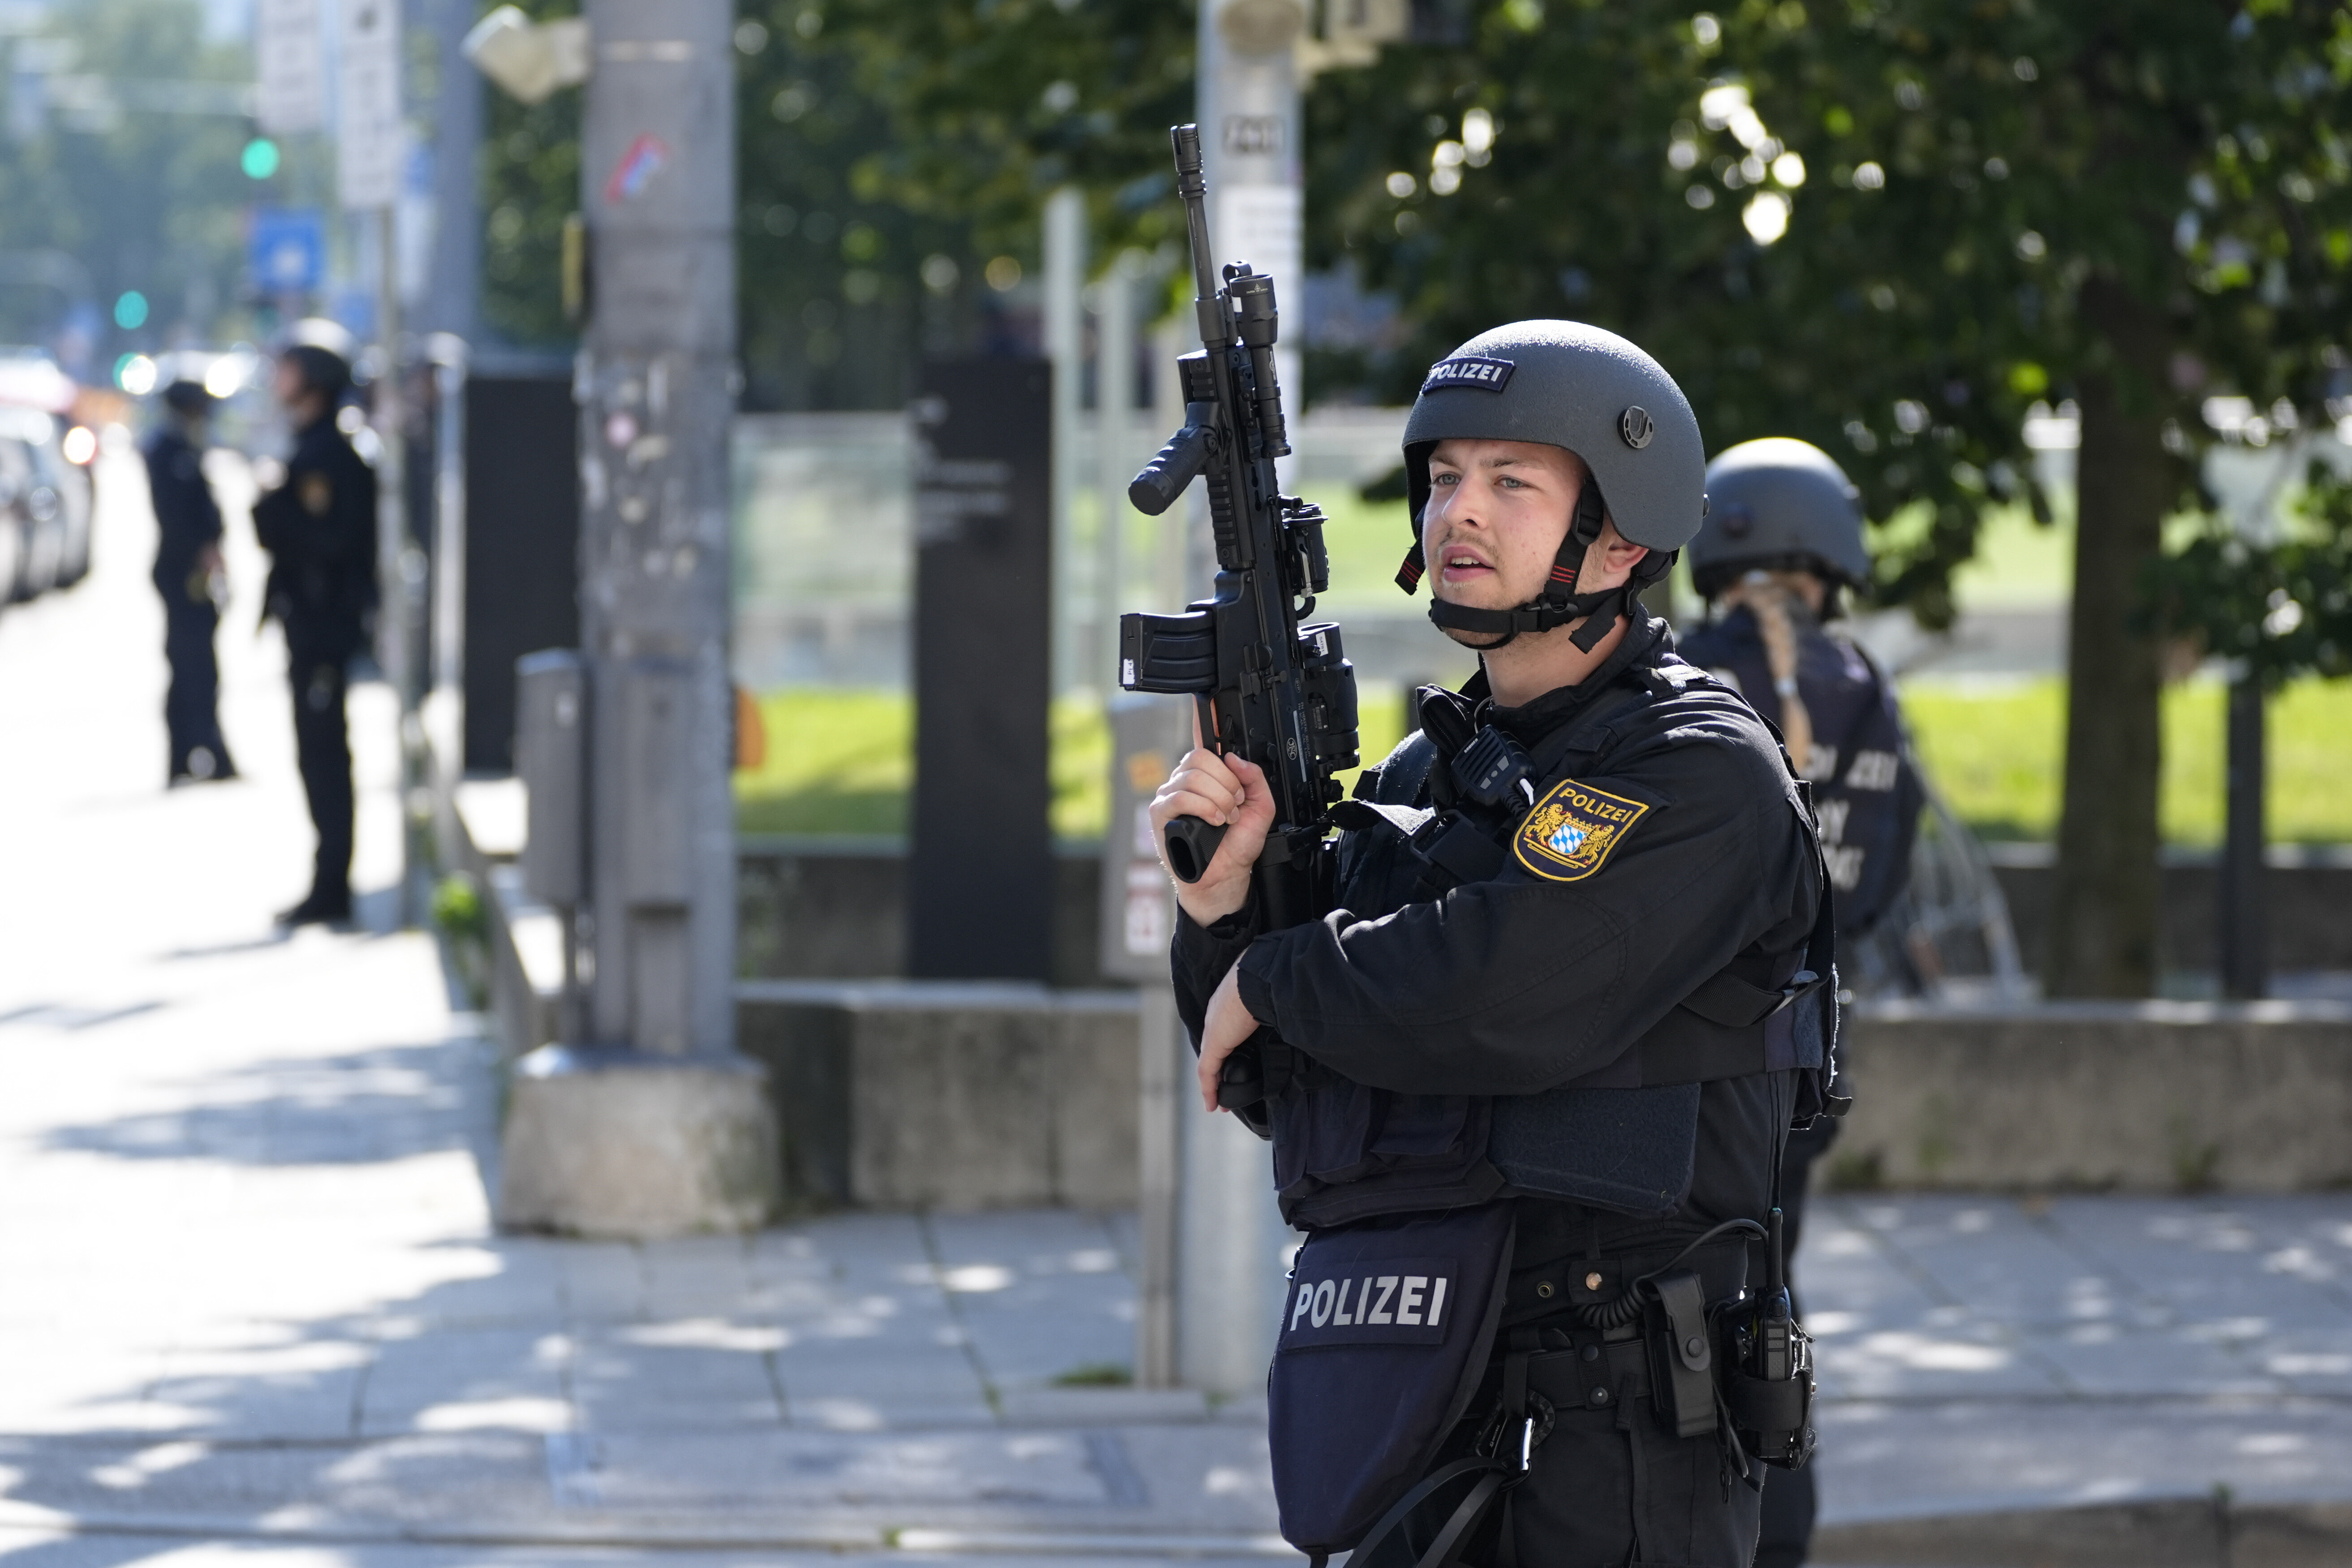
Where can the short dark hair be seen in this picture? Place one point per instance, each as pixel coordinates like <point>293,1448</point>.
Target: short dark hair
<point>322,369</point>
<point>188,397</point>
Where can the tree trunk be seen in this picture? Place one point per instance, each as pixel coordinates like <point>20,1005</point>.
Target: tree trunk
<point>2103,914</point>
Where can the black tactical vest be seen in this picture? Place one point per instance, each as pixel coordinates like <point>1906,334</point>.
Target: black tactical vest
<point>1621,1137</point>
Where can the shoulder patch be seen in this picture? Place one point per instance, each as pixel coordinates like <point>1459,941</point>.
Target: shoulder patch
<point>1572,829</point>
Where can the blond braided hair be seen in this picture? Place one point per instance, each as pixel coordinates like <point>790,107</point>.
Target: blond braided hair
<point>1777,603</point>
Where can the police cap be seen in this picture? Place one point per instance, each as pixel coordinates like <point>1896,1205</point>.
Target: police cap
<point>1779,502</point>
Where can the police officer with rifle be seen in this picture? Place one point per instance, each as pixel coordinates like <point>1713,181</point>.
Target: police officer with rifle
<point>1529,1036</point>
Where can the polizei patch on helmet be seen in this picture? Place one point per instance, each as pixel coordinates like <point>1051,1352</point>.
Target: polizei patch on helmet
<point>1488,375</point>
<point>1572,829</point>
<point>1386,1300</point>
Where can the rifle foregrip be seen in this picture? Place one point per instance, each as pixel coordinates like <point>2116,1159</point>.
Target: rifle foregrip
<point>1191,845</point>
<point>1170,470</point>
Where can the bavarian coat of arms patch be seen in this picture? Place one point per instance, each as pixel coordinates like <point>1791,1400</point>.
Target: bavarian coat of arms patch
<point>1572,829</point>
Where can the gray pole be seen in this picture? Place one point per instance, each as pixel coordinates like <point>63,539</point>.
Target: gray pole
<point>1231,1241</point>
<point>1064,251</point>
<point>2245,930</point>
<point>659,1126</point>
<point>396,626</point>
<point>456,272</point>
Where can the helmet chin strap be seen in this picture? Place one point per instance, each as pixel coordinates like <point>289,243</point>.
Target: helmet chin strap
<point>1559,603</point>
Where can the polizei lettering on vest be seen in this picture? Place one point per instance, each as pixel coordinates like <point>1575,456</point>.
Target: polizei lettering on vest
<point>1407,1307</point>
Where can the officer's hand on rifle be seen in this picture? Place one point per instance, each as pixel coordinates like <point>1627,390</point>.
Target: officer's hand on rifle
<point>1230,790</point>
<point>1227,1024</point>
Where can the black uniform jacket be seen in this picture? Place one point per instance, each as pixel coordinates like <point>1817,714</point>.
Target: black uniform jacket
<point>320,530</point>
<point>1677,850</point>
<point>187,517</point>
<point>1866,791</point>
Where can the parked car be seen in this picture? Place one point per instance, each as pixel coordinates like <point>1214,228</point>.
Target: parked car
<point>46,504</point>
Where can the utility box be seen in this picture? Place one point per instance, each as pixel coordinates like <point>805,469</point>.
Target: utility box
<point>550,749</point>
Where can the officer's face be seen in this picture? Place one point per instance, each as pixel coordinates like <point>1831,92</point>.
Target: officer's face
<point>1497,511</point>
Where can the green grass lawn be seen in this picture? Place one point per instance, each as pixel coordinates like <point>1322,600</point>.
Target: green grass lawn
<point>840,761</point>
<point>1996,751</point>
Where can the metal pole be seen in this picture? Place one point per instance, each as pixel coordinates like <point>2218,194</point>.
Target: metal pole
<point>396,615</point>
<point>1066,272</point>
<point>443,708</point>
<point>1114,455</point>
<point>1233,1246</point>
<point>2244,926</point>
<point>455,273</point>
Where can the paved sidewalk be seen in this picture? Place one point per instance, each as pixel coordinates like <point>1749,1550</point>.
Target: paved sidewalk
<point>251,1307</point>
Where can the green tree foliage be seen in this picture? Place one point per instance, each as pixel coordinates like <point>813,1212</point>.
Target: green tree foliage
<point>2285,609</point>
<point>143,199</point>
<point>994,103</point>
<point>842,285</point>
<point>2133,203</point>
<point>530,183</point>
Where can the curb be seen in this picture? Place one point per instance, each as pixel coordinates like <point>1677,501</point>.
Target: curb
<point>640,1535</point>
<point>2215,1531</point>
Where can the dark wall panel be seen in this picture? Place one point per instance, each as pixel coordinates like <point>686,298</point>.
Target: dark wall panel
<point>980,871</point>
<point>522,545</point>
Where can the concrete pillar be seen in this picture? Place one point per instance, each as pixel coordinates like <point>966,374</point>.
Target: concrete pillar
<point>654,1124</point>
<point>1231,1245</point>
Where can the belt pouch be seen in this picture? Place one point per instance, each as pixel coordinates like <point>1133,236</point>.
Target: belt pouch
<point>1384,1337</point>
<point>1681,1354</point>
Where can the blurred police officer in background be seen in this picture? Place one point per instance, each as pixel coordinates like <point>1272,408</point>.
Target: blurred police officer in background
<point>1781,547</point>
<point>319,527</point>
<point>188,575</point>
<point>1568,1009</point>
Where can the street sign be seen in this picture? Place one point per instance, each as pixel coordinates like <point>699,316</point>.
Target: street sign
<point>290,66</point>
<point>286,250</point>
<point>370,152</point>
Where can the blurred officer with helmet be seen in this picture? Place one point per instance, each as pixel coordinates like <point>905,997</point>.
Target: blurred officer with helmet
<point>319,527</point>
<point>1781,546</point>
<point>1528,1083</point>
<point>188,575</point>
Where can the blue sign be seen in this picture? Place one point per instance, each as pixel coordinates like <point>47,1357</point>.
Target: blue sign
<point>286,250</point>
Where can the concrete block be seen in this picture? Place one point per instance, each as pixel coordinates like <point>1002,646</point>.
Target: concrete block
<point>2135,1095</point>
<point>824,907</point>
<point>615,1144</point>
<point>950,1096</point>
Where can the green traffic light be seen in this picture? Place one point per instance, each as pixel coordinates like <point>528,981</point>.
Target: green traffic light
<point>260,159</point>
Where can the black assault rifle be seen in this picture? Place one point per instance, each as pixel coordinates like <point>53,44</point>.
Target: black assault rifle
<point>1270,686</point>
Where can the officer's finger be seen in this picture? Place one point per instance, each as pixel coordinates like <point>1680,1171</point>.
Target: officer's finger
<point>1201,760</point>
<point>1175,803</point>
<point>1256,790</point>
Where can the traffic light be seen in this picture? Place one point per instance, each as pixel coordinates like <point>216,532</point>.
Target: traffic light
<point>259,160</point>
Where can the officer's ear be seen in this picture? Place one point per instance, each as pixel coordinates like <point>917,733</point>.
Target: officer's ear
<point>1618,553</point>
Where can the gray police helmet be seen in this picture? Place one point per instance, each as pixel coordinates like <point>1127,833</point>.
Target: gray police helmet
<point>1567,385</point>
<point>1778,500</point>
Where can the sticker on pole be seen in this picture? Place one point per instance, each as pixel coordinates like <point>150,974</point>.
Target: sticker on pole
<point>648,156</point>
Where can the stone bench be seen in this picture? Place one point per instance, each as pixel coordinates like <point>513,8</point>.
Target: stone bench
<point>948,1095</point>
<point>2134,1095</point>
